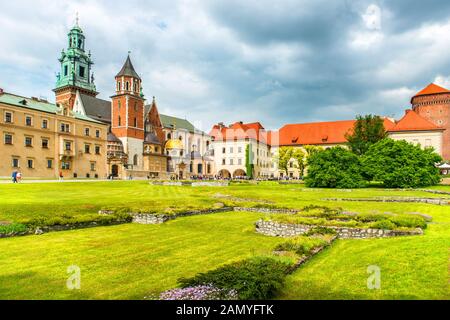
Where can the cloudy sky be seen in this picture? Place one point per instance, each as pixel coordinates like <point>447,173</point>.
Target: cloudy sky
<point>252,60</point>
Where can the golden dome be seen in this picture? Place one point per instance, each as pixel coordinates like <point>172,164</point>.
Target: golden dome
<point>174,144</point>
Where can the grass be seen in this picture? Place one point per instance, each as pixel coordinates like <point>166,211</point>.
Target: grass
<point>130,261</point>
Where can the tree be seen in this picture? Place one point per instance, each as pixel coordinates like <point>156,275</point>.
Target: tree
<point>334,168</point>
<point>286,154</point>
<point>249,161</point>
<point>399,164</point>
<point>367,130</point>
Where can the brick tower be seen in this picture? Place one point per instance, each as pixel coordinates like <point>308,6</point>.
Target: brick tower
<point>127,114</point>
<point>76,67</point>
<point>433,104</point>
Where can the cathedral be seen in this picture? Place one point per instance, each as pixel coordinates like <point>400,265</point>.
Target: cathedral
<point>141,143</point>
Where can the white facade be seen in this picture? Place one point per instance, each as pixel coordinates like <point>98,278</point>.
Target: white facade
<point>423,138</point>
<point>229,158</point>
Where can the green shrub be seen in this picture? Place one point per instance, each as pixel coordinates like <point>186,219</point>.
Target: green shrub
<point>320,230</point>
<point>382,224</point>
<point>13,228</point>
<point>409,221</point>
<point>253,279</point>
<point>72,220</point>
<point>300,245</point>
<point>399,164</point>
<point>334,168</point>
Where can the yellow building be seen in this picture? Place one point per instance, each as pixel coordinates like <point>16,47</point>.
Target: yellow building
<point>42,140</point>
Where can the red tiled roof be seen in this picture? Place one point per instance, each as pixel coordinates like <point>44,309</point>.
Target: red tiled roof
<point>316,133</point>
<point>239,130</point>
<point>411,121</point>
<point>431,89</point>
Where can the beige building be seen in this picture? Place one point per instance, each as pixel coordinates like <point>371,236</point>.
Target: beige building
<point>230,144</point>
<point>42,140</point>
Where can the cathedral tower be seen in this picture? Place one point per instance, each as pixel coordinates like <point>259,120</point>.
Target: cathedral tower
<point>76,70</point>
<point>127,116</point>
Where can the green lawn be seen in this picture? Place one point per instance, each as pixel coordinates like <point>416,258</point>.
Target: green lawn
<point>130,261</point>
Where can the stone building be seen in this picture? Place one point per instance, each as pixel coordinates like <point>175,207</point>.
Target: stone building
<point>41,140</point>
<point>230,143</point>
<point>433,104</point>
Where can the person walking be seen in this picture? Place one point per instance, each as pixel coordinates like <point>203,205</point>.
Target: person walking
<point>61,177</point>
<point>14,177</point>
<point>18,176</point>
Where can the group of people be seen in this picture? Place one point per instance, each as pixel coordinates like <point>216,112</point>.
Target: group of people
<point>16,176</point>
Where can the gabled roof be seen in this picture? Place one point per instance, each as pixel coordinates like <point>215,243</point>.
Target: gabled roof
<point>431,89</point>
<point>169,122</point>
<point>239,130</point>
<point>39,105</point>
<point>128,70</point>
<point>411,121</point>
<point>316,133</point>
<point>96,108</point>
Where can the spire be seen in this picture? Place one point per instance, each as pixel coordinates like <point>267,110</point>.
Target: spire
<point>77,20</point>
<point>128,69</point>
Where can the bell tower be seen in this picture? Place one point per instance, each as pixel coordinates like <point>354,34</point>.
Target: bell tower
<point>76,70</point>
<point>127,114</point>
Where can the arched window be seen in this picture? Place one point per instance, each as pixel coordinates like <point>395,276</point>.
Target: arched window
<point>127,86</point>
<point>169,136</point>
<point>135,160</point>
<point>135,87</point>
<point>118,85</point>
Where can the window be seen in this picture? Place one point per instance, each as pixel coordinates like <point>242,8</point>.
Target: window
<point>49,163</point>
<point>135,160</point>
<point>135,106</point>
<point>44,124</point>
<point>239,149</point>
<point>66,71</point>
<point>135,122</point>
<point>87,148</point>
<point>127,86</point>
<point>224,150</point>
<point>86,132</point>
<point>15,163</point>
<point>28,121</point>
<point>30,163</point>
<point>231,161</point>
<point>239,161</point>
<point>97,133</point>
<point>135,87</point>
<point>118,87</point>
<point>97,149</point>
<point>8,138</point>
<point>231,149</point>
<point>82,71</point>
<point>223,161</point>
<point>118,104</point>
<point>169,136</point>
<point>65,127</point>
<point>8,117</point>
<point>65,165</point>
<point>119,121</point>
<point>156,149</point>
<point>28,141</point>
<point>45,143</point>
<point>93,166</point>
<point>68,145</point>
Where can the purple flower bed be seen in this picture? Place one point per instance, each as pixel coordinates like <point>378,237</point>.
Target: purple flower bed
<point>203,292</point>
